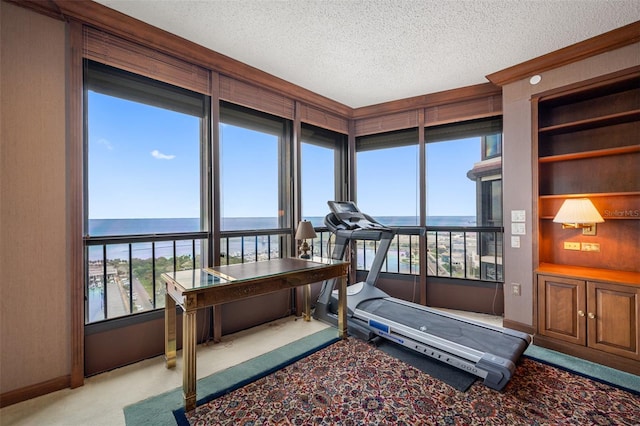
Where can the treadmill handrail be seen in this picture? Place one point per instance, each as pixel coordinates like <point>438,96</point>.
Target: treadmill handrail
<point>409,230</point>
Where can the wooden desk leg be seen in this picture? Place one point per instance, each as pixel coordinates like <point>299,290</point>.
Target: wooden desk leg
<point>342,307</point>
<point>189,357</point>
<point>306,302</point>
<point>170,331</point>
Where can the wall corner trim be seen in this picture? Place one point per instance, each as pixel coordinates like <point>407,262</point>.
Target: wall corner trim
<point>602,43</point>
<point>32,391</point>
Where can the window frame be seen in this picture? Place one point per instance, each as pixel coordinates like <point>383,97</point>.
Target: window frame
<point>239,116</point>
<point>119,83</point>
<point>329,139</point>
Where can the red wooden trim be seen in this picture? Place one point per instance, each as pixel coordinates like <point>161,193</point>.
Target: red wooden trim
<point>514,325</point>
<point>135,30</point>
<point>592,83</point>
<point>33,391</point>
<point>608,41</point>
<point>595,355</point>
<point>127,27</point>
<point>590,154</point>
<point>425,101</point>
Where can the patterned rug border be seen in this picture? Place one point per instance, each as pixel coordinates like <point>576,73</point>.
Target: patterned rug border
<point>522,400</point>
<point>179,414</point>
<point>171,400</point>
<point>582,374</point>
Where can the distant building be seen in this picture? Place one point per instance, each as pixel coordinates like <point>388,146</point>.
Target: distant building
<point>487,174</point>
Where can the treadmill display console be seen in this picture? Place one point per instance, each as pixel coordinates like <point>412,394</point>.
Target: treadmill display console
<point>349,216</point>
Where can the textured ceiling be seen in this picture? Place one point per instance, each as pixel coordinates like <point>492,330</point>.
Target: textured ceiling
<point>364,52</point>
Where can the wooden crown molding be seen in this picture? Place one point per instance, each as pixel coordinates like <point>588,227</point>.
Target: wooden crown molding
<point>613,77</point>
<point>119,24</point>
<point>430,100</point>
<point>122,25</point>
<point>99,16</point>
<point>45,7</point>
<point>608,41</point>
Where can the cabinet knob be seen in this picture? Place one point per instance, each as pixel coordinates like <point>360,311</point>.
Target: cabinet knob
<point>580,313</point>
<point>591,315</point>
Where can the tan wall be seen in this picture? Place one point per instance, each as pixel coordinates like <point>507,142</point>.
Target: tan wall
<point>518,163</point>
<point>34,291</point>
<point>34,295</point>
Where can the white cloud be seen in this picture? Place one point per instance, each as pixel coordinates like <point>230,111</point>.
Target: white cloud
<point>105,143</point>
<point>160,156</point>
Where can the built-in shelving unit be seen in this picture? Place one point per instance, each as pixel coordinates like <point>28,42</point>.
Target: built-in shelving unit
<point>590,154</point>
<point>591,123</point>
<point>587,145</point>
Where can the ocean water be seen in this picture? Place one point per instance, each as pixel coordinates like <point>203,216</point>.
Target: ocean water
<point>111,227</point>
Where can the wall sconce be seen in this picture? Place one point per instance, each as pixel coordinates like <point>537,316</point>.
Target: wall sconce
<point>579,213</point>
<point>304,232</point>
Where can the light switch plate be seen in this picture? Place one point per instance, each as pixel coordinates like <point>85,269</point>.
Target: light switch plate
<point>516,289</point>
<point>518,229</point>
<point>518,216</point>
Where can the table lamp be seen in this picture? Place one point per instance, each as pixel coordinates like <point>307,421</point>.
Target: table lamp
<point>304,232</point>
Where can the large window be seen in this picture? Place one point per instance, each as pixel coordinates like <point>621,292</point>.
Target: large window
<point>321,176</point>
<point>254,177</point>
<point>463,197</point>
<point>451,195</point>
<point>144,150</point>
<point>388,190</point>
<point>464,190</point>
<point>458,157</point>
<point>387,177</point>
<point>253,149</point>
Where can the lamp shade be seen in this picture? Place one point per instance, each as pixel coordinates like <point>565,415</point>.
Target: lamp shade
<point>305,230</point>
<point>578,210</point>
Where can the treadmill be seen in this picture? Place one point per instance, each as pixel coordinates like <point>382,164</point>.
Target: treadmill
<point>486,351</point>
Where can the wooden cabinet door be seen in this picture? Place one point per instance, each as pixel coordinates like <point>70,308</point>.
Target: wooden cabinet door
<point>612,323</point>
<point>561,309</point>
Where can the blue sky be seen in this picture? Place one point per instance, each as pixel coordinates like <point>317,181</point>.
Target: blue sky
<point>143,163</point>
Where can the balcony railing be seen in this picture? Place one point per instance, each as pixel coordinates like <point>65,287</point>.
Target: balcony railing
<point>251,246</point>
<point>123,272</point>
<point>402,258</point>
<point>264,244</point>
<point>472,253</point>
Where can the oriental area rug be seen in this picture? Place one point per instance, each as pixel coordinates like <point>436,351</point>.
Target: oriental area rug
<point>351,382</point>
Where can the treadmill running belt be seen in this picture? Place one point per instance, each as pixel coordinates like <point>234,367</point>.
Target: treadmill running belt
<point>463,333</point>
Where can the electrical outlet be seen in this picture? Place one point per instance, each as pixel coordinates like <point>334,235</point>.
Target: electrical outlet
<point>568,245</point>
<point>515,289</point>
<point>591,247</point>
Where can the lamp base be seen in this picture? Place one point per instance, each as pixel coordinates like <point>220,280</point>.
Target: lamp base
<point>304,248</point>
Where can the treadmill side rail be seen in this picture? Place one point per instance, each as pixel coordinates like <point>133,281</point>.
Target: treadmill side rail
<point>499,370</point>
<point>420,336</point>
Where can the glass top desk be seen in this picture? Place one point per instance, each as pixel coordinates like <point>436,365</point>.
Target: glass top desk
<point>198,288</point>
